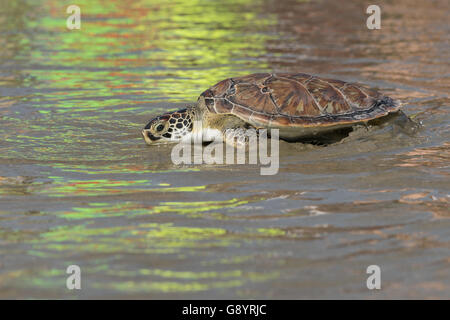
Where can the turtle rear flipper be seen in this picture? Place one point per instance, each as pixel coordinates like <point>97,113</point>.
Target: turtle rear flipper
<point>403,124</point>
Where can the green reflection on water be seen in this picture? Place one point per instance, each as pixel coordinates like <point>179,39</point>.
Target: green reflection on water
<point>147,238</point>
<point>166,286</point>
<point>60,187</point>
<point>197,209</point>
<point>105,210</point>
<point>191,44</point>
<point>162,280</point>
<point>270,232</point>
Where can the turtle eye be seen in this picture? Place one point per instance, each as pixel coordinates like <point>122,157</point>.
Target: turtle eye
<point>160,127</point>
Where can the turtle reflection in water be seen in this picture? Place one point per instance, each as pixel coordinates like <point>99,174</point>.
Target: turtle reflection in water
<point>303,107</point>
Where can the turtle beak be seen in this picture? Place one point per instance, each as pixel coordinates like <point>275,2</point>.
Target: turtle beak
<point>148,137</point>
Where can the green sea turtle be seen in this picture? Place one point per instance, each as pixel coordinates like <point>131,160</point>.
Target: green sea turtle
<point>299,105</point>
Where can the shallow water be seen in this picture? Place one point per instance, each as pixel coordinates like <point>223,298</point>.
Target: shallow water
<point>79,186</point>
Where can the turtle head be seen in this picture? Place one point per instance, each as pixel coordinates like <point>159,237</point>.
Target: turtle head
<point>169,127</point>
